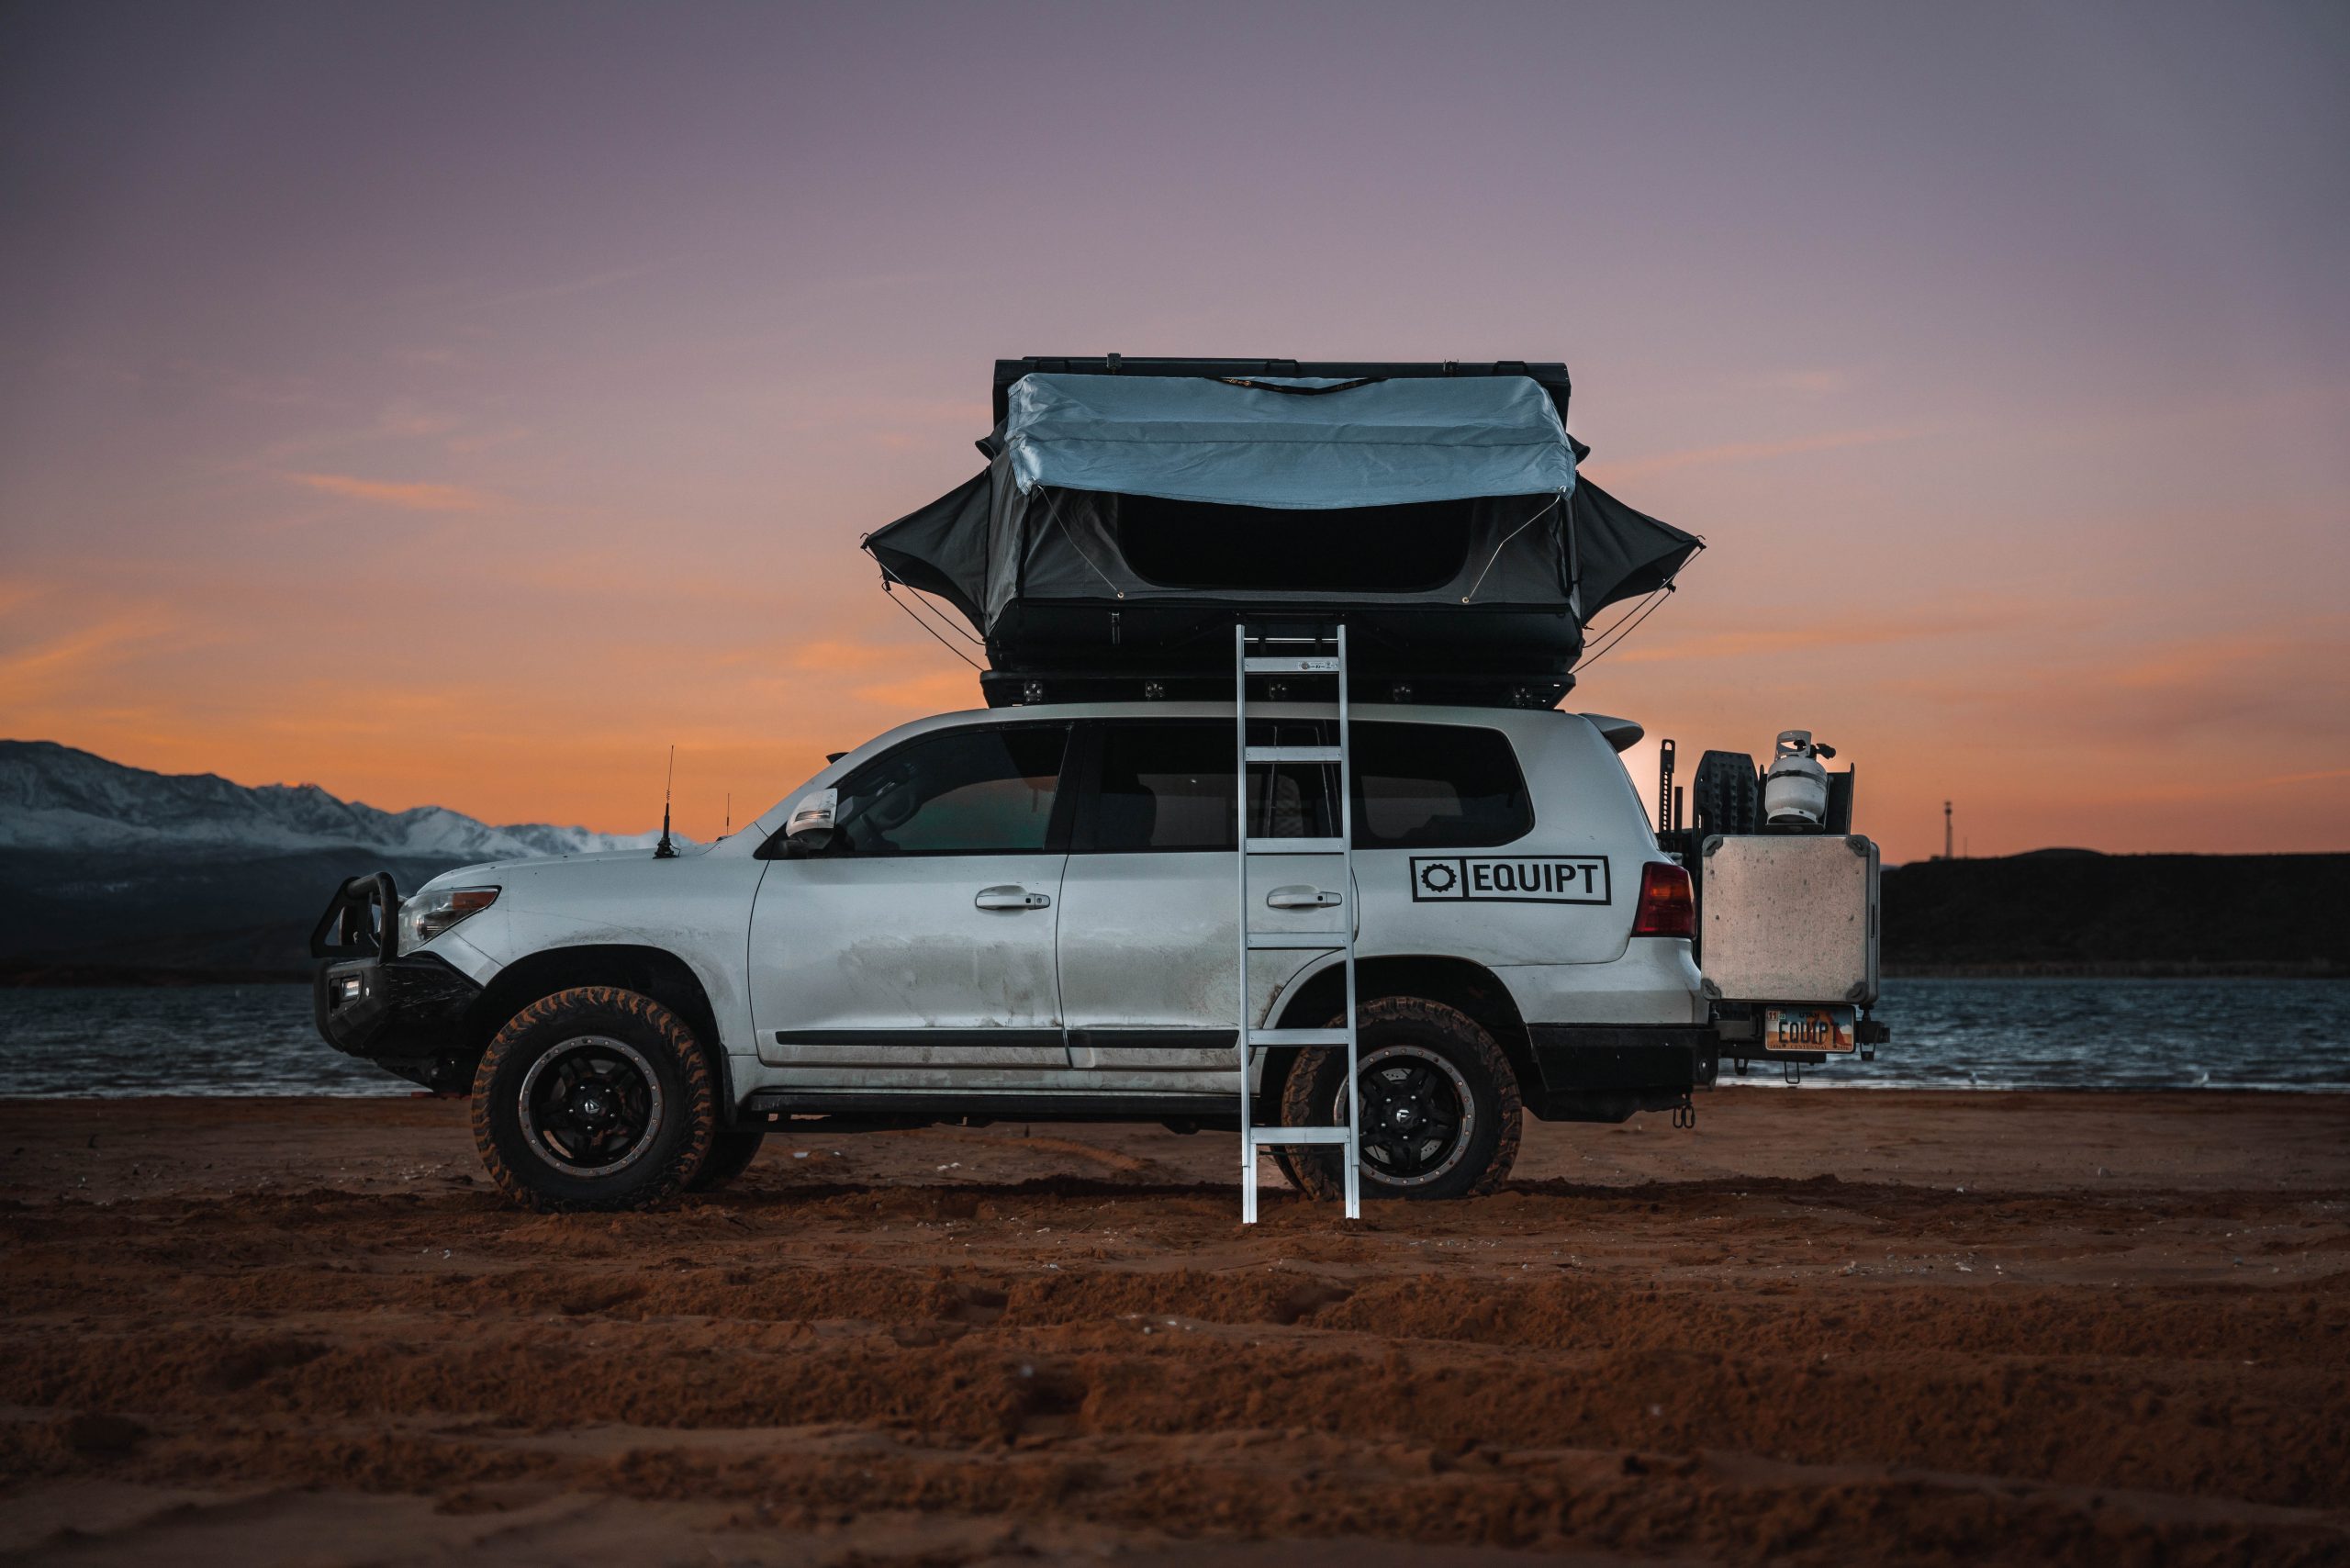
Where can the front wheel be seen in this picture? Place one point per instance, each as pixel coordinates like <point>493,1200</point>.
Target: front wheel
<point>1437,1101</point>
<point>594,1098</point>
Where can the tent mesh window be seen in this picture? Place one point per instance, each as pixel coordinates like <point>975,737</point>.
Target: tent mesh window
<point>1349,550</point>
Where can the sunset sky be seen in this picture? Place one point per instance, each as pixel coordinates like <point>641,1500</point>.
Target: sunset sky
<point>461,404</point>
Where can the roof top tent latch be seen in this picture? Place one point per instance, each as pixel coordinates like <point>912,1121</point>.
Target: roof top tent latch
<point>1113,363</point>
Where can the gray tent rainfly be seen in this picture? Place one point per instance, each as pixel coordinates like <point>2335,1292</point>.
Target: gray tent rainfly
<point>1126,518</point>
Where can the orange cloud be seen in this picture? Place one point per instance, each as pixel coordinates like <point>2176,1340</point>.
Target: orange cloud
<point>408,496</point>
<point>34,674</point>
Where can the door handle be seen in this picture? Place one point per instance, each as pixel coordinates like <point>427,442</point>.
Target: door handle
<point>1009,897</point>
<point>1302,898</point>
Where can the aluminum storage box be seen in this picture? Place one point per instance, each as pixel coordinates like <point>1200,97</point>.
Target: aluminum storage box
<point>1789,918</point>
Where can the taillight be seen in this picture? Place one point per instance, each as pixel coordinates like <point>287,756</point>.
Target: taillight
<point>1666,907</point>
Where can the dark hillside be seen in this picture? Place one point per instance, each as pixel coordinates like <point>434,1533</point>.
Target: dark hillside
<point>121,916</point>
<point>2073,910</point>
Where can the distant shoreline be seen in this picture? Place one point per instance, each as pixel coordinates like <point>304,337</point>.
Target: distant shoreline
<point>2312,968</point>
<point>24,975</point>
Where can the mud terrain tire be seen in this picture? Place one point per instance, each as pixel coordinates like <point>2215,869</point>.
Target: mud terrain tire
<point>1417,1058</point>
<point>594,1098</point>
<point>730,1153</point>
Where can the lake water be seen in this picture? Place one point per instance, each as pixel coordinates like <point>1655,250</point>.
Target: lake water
<point>1948,1034</point>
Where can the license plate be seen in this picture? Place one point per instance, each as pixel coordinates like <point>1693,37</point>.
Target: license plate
<point>1806,1028</point>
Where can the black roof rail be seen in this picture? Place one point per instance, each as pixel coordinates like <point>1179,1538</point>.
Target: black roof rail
<point>1551,373</point>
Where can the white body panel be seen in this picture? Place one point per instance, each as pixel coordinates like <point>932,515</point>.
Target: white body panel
<point>1130,942</point>
<point>855,950</point>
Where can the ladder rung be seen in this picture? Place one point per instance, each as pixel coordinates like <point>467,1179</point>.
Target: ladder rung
<point>1297,1036</point>
<point>1275,939</point>
<point>1290,664</point>
<point>1261,1136</point>
<point>1297,846</point>
<point>1292,754</point>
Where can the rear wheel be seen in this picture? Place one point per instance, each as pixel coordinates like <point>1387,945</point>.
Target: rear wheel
<point>594,1098</point>
<point>1437,1101</point>
<point>730,1153</point>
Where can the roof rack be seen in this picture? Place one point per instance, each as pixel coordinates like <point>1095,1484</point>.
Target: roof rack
<point>1552,375</point>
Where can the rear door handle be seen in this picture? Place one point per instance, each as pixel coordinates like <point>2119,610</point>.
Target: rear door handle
<point>1010,897</point>
<point>1302,898</point>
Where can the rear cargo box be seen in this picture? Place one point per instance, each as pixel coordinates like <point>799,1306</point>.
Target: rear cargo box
<point>1789,918</point>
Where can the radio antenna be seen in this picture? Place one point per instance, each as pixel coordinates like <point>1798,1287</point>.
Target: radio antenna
<point>665,850</point>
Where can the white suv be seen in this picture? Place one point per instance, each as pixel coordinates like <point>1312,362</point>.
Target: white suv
<point>1031,913</point>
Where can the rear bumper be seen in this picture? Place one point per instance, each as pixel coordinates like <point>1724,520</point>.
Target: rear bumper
<point>1606,1072</point>
<point>406,1016</point>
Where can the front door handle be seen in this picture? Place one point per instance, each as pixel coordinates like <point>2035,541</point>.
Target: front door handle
<point>1010,897</point>
<point>1302,898</point>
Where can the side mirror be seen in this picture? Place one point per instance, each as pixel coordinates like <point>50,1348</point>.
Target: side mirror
<point>810,826</point>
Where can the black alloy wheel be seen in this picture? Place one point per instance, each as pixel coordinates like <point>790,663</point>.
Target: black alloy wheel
<point>589,1105</point>
<point>1419,1114</point>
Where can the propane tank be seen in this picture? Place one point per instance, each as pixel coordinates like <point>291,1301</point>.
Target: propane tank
<point>1795,790</point>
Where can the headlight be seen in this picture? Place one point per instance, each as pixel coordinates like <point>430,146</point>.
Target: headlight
<point>435,910</point>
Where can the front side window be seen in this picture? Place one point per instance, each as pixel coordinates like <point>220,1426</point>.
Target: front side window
<point>970,791</point>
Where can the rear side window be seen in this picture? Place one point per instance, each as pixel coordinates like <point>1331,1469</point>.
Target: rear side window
<point>1436,787</point>
<point>1168,786</point>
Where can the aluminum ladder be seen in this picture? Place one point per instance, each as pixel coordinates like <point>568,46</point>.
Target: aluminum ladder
<point>1318,656</point>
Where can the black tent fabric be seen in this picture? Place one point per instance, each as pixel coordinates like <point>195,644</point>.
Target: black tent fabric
<point>1619,553</point>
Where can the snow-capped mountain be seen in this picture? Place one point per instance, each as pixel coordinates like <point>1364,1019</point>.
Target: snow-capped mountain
<point>55,798</point>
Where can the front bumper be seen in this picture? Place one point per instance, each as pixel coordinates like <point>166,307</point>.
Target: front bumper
<point>1608,1072</point>
<point>408,1016</point>
<point>409,1013</point>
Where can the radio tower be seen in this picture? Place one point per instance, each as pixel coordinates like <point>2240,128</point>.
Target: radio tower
<point>1946,854</point>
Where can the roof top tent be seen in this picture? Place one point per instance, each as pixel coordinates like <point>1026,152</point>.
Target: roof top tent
<point>1133,509</point>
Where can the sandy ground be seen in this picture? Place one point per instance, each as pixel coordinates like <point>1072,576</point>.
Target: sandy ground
<point>1827,1326</point>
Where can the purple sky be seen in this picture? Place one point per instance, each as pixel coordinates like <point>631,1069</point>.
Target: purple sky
<point>461,403</point>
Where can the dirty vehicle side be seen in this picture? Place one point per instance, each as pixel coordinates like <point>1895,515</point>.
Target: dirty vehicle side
<point>1029,912</point>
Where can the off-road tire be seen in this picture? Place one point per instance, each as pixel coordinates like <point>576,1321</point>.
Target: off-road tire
<point>679,1136</point>
<point>730,1153</point>
<point>1310,1098</point>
